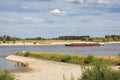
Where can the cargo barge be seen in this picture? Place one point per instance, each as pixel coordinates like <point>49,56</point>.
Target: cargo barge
<point>85,44</point>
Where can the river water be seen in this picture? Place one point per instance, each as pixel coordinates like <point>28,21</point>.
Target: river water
<point>107,49</point>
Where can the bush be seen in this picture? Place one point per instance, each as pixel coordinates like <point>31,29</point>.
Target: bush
<point>34,43</point>
<point>66,58</point>
<point>5,75</point>
<point>89,59</point>
<point>100,72</point>
<point>27,54</point>
<point>119,54</point>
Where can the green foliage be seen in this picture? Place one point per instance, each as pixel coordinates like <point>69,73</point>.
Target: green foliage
<point>88,38</point>
<point>119,54</point>
<point>27,54</point>
<point>37,38</point>
<point>112,37</point>
<point>64,78</point>
<point>19,53</point>
<point>84,38</point>
<point>5,75</point>
<point>89,59</point>
<point>75,59</point>
<point>72,77</point>
<point>107,38</point>
<point>14,41</point>
<point>6,38</point>
<point>4,41</point>
<point>66,58</point>
<point>100,72</point>
<point>34,43</point>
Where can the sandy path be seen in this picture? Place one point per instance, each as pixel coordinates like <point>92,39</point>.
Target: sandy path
<point>45,69</point>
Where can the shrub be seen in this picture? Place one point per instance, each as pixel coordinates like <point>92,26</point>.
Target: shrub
<point>34,43</point>
<point>66,58</point>
<point>89,59</point>
<point>27,54</point>
<point>100,72</point>
<point>5,75</point>
<point>119,54</point>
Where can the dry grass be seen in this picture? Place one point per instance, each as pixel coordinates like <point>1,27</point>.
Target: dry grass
<point>114,58</point>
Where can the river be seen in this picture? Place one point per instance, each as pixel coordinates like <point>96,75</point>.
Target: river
<point>107,49</point>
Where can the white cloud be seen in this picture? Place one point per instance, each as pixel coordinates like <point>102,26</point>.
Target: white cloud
<point>74,30</point>
<point>103,1</point>
<point>28,18</point>
<point>94,1</point>
<point>58,12</point>
<point>25,7</point>
<point>75,1</point>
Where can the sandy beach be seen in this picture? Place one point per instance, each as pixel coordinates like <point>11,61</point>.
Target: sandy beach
<point>45,69</point>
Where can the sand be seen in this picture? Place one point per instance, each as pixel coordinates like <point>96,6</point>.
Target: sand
<point>45,69</point>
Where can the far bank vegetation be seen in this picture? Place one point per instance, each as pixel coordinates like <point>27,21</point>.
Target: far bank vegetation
<point>106,38</point>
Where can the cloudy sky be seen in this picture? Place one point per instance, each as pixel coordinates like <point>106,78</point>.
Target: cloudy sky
<point>52,18</point>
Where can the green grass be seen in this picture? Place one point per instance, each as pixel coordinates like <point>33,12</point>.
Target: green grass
<point>76,59</point>
<point>100,71</point>
<point>5,75</point>
<point>69,58</point>
<point>119,54</point>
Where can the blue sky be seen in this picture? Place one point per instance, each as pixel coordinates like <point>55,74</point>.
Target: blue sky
<point>52,18</point>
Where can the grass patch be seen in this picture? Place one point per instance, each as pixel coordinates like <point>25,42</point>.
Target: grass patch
<point>5,75</point>
<point>119,54</point>
<point>70,58</point>
<point>76,59</point>
<point>100,71</point>
<point>27,54</point>
<point>89,59</point>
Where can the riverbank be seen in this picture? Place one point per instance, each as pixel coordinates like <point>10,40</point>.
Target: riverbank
<point>45,69</point>
<point>41,69</point>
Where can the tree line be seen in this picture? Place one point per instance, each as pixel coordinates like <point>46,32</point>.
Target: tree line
<point>6,38</point>
<point>88,38</point>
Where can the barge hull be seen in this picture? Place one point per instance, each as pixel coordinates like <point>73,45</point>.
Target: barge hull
<point>84,44</point>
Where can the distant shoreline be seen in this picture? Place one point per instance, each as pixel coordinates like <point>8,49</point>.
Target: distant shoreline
<point>52,43</point>
<point>112,42</point>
